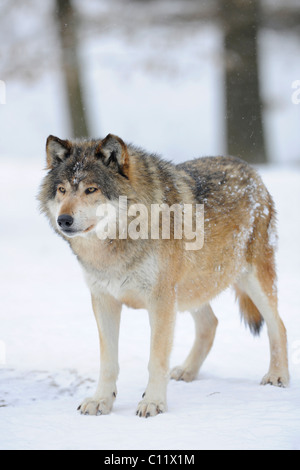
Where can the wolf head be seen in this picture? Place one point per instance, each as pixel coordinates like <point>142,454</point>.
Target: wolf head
<point>82,174</point>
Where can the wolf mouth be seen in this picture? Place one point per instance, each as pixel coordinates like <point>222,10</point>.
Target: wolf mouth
<point>73,233</point>
<point>89,229</point>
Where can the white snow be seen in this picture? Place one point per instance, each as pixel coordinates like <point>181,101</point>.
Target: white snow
<point>51,346</point>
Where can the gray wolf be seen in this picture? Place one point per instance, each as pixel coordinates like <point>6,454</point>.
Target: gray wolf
<point>161,275</point>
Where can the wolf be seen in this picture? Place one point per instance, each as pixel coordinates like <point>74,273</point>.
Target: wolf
<point>161,275</point>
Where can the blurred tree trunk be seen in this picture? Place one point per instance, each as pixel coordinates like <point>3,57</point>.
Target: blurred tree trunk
<point>66,18</point>
<point>245,133</point>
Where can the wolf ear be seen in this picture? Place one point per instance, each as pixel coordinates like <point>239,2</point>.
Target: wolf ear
<point>57,150</point>
<point>113,151</point>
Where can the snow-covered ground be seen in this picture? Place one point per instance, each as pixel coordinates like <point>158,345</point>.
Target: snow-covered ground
<point>51,344</point>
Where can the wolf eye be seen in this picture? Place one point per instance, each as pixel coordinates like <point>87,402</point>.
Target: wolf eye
<point>90,190</point>
<point>61,189</point>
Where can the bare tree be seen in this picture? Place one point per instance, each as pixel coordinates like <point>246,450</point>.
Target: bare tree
<point>24,57</point>
<point>245,133</point>
<point>66,19</point>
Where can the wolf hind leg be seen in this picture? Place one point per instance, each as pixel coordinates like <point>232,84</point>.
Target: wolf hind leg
<point>205,328</point>
<point>262,291</point>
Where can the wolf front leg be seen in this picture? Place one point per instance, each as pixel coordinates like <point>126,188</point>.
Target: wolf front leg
<point>162,320</point>
<point>107,311</point>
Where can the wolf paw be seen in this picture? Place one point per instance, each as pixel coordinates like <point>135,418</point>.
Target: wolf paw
<point>182,373</point>
<point>275,379</point>
<point>96,406</point>
<point>150,408</point>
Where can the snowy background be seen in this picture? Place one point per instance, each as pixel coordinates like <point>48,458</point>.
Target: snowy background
<point>48,339</point>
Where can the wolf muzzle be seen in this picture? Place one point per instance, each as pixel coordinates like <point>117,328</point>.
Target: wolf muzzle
<point>65,222</point>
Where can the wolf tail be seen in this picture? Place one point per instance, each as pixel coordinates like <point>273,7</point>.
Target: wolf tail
<point>249,312</point>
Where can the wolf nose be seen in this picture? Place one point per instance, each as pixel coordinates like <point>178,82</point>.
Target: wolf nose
<point>65,221</point>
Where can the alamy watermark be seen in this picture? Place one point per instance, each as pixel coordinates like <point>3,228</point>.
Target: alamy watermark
<point>295,353</point>
<point>2,353</point>
<point>2,92</point>
<point>296,93</point>
<point>158,221</point>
